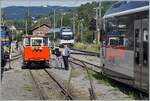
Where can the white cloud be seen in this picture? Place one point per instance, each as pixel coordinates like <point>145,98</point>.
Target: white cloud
<point>5,3</point>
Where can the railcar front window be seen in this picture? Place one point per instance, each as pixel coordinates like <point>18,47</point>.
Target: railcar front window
<point>36,42</point>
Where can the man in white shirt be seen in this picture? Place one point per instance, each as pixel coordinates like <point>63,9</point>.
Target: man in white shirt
<point>66,54</point>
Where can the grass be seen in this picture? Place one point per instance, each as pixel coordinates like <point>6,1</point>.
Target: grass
<point>88,47</point>
<point>75,72</point>
<point>97,76</point>
<point>28,88</point>
<point>132,93</point>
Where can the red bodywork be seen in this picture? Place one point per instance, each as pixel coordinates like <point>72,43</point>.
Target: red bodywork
<point>36,53</point>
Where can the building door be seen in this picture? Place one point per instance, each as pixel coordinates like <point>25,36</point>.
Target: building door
<point>141,71</point>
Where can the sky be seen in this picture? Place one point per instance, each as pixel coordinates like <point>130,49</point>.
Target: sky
<point>70,3</point>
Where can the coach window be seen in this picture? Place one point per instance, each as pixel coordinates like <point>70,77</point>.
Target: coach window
<point>125,28</point>
<point>145,46</point>
<point>145,35</point>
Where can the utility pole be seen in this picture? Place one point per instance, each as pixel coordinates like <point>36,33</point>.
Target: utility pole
<point>61,18</point>
<point>49,18</point>
<point>26,28</point>
<point>97,20</point>
<point>81,30</point>
<point>27,21</point>
<point>99,29</point>
<point>73,24</point>
<point>78,30</point>
<point>54,24</point>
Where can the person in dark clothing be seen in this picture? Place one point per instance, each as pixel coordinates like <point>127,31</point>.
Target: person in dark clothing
<point>57,52</point>
<point>17,45</point>
<point>58,56</point>
<point>66,54</point>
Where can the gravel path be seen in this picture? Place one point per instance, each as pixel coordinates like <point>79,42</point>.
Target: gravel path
<point>81,84</point>
<point>91,59</point>
<point>17,84</point>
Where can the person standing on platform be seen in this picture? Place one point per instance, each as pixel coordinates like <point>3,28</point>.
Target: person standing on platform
<point>58,55</point>
<point>66,54</point>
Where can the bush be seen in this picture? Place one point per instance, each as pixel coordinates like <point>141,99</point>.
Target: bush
<point>88,47</point>
<point>88,37</point>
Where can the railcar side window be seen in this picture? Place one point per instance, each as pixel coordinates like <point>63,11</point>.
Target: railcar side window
<point>26,41</point>
<point>45,41</point>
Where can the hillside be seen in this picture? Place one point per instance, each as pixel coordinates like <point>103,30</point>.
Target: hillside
<point>19,12</point>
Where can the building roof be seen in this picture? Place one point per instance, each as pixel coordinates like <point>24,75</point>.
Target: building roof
<point>40,26</point>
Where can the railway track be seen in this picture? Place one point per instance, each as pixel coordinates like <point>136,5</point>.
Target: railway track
<point>44,95</point>
<point>39,90</point>
<point>91,89</point>
<point>91,66</point>
<point>64,91</point>
<point>109,76</point>
<point>83,52</point>
<point>15,57</point>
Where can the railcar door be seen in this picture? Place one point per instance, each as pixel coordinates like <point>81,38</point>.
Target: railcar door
<point>141,74</point>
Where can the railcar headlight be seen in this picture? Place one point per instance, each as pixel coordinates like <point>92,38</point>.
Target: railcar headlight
<point>40,48</point>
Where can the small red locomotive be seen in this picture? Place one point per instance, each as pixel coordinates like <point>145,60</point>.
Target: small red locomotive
<point>36,50</point>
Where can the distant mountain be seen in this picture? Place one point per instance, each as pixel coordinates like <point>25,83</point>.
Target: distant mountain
<point>20,12</point>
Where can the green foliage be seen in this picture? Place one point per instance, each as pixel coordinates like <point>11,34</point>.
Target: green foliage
<point>88,37</point>
<point>18,37</point>
<point>88,47</point>
<point>19,23</point>
<point>87,11</point>
<point>8,22</point>
<point>84,14</point>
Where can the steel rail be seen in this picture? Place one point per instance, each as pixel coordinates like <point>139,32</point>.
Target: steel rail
<point>104,70</point>
<point>91,90</point>
<point>65,92</point>
<point>89,52</point>
<point>42,96</point>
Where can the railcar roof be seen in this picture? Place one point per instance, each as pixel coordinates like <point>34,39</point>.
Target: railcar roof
<point>36,36</point>
<point>126,6</point>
